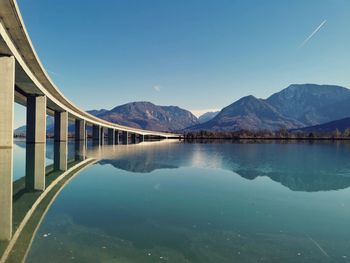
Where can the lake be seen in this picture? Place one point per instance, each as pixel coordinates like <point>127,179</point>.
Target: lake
<point>200,202</point>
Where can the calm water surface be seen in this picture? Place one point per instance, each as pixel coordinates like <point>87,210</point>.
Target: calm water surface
<point>177,202</point>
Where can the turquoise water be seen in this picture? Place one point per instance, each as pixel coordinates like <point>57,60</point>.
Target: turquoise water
<point>178,202</point>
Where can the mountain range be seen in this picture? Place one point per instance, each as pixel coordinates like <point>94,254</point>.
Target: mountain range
<point>144,115</point>
<point>297,106</point>
<point>302,107</point>
<point>248,113</point>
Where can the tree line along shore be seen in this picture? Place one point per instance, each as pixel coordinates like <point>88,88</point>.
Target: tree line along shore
<point>282,134</point>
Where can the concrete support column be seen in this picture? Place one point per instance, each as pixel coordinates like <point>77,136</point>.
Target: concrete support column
<point>116,137</point>
<point>6,171</point>
<point>7,89</point>
<point>111,135</point>
<point>125,137</point>
<point>36,119</point>
<point>60,159</point>
<point>61,126</point>
<point>96,134</point>
<point>133,138</point>
<point>80,130</point>
<point>36,143</point>
<point>35,166</point>
<point>102,136</point>
<point>141,138</point>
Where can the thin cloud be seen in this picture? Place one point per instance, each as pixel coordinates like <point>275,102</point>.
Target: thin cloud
<point>313,33</point>
<point>157,88</point>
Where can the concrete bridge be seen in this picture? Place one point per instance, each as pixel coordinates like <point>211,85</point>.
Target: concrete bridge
<point>24,80</point>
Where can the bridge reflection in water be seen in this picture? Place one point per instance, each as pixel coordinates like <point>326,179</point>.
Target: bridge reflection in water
<point>23,209</point>
<point>24,202</point>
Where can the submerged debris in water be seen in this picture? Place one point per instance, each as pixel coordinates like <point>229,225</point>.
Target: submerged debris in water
<point>319,246</point>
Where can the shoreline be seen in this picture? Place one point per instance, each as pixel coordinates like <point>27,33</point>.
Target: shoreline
<point>269,139</point>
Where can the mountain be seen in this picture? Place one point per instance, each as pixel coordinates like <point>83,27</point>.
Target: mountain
<point>97,112</point>
<point>297,106</point>
<point>20,130</point>
<point>341,125</point>
<point>248,113</point>
<point>49,126</point>
<point>146,115</point>
<point>207,116</point>
<point>312,104</point>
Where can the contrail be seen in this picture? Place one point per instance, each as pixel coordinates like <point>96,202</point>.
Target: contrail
<point>313,33</point>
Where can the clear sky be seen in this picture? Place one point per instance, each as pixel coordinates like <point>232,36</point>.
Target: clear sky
<point>196,54</point>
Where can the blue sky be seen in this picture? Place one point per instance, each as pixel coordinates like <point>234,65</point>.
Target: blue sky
<point>196,54</point>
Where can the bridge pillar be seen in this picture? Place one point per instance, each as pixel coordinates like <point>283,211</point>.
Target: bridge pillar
<point>111,136</point>
<point>141,138</point>
<point>36,142</point>
<point>133,138</point>
<point>61,126</point>
<point>60,158</point>
<point>125,137</point>
<point>102,141</point>
<point>6,168</point>
<point>116,137</point>
<point>35,166</point>
<point>80,130</point>
<point>36,119</point>
<point>7,91</point>
<point>96,134</point>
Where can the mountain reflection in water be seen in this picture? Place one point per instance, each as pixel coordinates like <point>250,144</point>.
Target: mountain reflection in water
<point>187,201</point>
<point>294,165</point>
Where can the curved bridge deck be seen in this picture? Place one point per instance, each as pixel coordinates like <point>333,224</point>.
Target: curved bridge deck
<point>24,80</point>
<point>31,79</point>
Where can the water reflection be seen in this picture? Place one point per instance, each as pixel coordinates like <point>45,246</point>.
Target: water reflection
<point>6,193</point>
<point>47,168</point>
<point>294,165</point>
<point>299,166</point>
<point>60,156</point>
<point>201,203</point>
<point>79,150</point>
<point>35,166</point>
<point>24,202</point>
